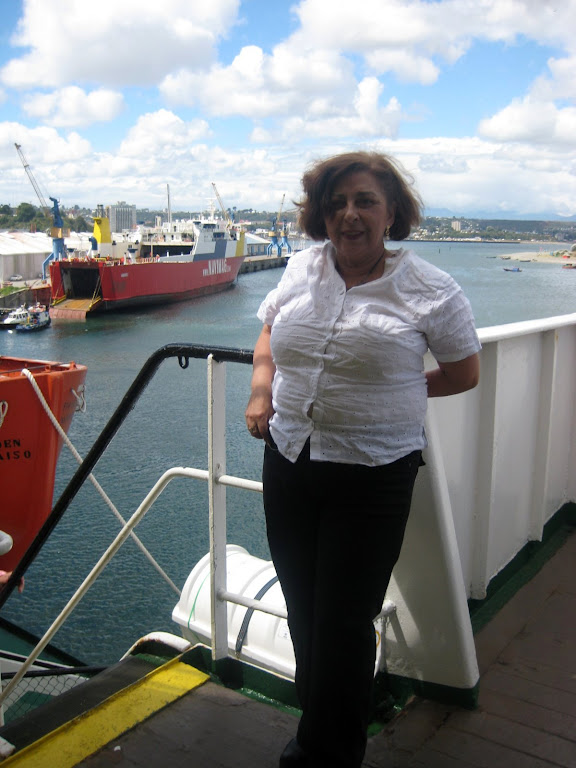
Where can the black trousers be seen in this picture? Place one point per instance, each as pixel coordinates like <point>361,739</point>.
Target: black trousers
<point>335,532</point>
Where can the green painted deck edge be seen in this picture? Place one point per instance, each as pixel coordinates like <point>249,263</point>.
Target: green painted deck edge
<point>402,689</point>
<point>241,677</point>
<point>393,692</point>
<point>531,558</point>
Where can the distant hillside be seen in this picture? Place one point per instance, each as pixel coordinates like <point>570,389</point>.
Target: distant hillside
<point>445,213</point>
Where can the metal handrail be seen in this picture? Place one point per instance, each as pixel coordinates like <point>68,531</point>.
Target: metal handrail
<point>183,352</point>
<point>215,475</point>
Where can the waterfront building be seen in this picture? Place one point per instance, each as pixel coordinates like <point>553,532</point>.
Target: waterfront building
<point>122,217</point>
<point>256,245</point>
<point>23,253</point>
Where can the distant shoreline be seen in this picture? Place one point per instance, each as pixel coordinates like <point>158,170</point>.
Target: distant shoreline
<point>544,257</point>
<point>553,244</point>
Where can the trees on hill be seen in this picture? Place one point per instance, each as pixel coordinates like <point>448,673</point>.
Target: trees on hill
<point>33,219</point>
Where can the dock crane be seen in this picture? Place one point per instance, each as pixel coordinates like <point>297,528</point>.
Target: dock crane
<point>229,222</point>
<point>275,231</point>
<point>57,231</point>
<point>241,236</point>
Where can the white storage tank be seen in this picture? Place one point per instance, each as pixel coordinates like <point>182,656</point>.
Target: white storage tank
<point>262,640</point>
<point>266,643</point>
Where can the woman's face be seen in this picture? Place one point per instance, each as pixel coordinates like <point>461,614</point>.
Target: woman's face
<point>358,217</point>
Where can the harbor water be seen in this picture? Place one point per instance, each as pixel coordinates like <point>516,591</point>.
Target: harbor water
<point>168,428</point>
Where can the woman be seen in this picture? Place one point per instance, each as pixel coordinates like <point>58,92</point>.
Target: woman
<point>339,396</point>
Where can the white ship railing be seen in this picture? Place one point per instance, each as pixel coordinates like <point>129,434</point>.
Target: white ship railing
<point>500,463</point>
<point>509,447</point>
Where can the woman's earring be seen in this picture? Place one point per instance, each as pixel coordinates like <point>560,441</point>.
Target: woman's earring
<point>387,233</point>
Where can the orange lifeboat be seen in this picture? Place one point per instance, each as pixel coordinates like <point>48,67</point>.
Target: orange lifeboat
<point>30,444</point>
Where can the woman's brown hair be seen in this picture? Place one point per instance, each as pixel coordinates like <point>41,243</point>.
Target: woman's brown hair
<point>319,182</point>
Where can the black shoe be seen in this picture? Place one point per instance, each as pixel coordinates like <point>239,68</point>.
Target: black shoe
<point>293,756</point>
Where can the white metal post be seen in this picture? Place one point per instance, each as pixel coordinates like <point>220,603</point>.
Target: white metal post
<point>2,704</point>
<point>217,504</point>
<point>487,458</point>
<point>544,439</point>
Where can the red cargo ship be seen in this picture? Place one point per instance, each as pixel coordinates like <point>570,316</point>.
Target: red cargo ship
<point>166,267</point>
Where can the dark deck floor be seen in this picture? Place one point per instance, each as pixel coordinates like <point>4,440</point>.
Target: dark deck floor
<point>526,716</point>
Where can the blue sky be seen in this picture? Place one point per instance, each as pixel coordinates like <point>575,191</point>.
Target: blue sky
<point>475,98</point>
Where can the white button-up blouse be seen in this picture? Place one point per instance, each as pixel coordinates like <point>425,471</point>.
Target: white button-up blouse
<point>349,364</point>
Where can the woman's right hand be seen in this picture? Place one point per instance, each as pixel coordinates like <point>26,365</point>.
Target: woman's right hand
<point>259,410</point>
<point>258,413</point>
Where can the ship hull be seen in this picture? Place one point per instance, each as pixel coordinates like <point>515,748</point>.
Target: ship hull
<point>30,445</point>
<point>116,286</point>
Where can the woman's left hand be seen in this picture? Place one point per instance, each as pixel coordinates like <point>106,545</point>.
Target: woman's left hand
<point>453,378</point>
<point>5,576</point>
<point>259,410</point>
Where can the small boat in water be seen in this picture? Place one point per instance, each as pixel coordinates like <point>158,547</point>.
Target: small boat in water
<point>29,443</point>
<point>13,318</point>
<point>38,318</point>
<point>512,269</point>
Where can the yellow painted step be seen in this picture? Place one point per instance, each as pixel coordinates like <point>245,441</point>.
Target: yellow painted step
<point>77,304</point>
<point>74,741</point>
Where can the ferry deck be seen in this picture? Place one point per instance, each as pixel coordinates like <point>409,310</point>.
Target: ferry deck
<point>526,716</point>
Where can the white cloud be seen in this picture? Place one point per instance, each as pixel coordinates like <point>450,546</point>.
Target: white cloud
<point>313,71</point>
<point>362,26</point>
<point>462,175</point>
<point>411,38</point>
<point>364,118</point>
<point>261,85</point>
<point>431,26</point>
<point>559,82</point>
<point>309,80</point>
<point>260,135</point>
<point>408,66</point>
<point>244,178</point>
<point>41,145</point>
<point>502,177</point>
<point>314,75</point>
<point>54,160</point>
<point>73,107</point>
<point>162,129</point>
<point>440,164</point>
<point>536,122</point>
<point>119,43</point>
<point>544,114</point>
<point>332,84</point>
